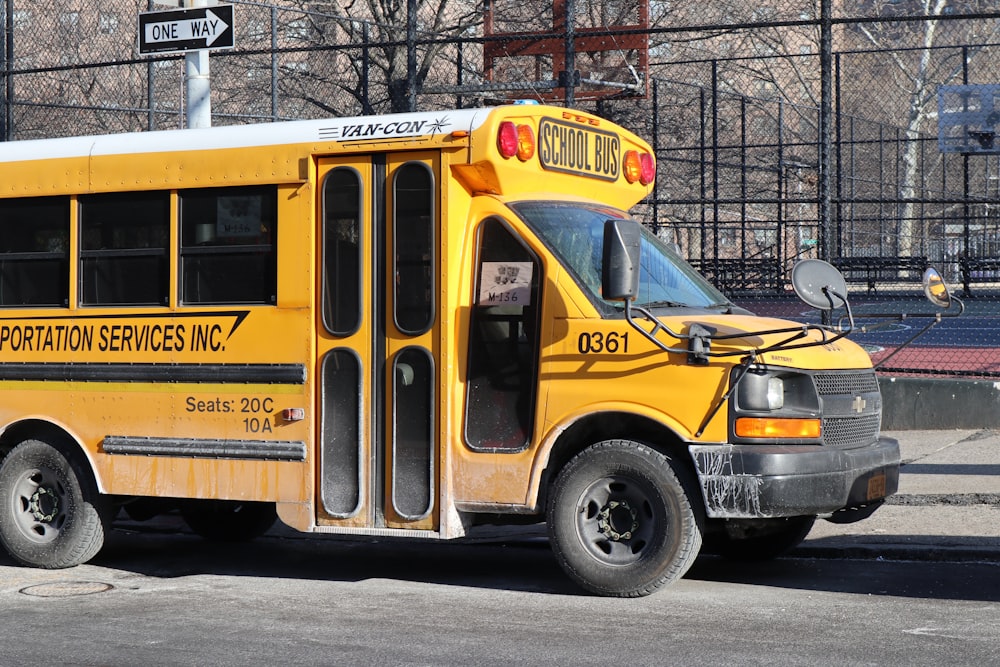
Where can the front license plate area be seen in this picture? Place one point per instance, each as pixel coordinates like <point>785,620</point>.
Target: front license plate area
<point>876,486</point>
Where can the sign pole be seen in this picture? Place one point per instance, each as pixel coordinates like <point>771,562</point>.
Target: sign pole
<point>196,29</point>
<point>197,83</point>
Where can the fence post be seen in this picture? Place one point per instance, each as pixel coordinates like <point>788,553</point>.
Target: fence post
<point>6,67</point>
<point>967,240</point>
<point>838,251</point>
<point>715,164</point>
<point>366,103</point>
<point>825,118</point>
<point>150,87</point>
<point>274,63</point>
<point>781,213</point>
<point>702,180</point>
<point>656,148</point>
<point>570,72</point>
<point>411,54</point>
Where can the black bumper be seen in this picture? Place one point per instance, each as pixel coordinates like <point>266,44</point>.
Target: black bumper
<point>758,481</point>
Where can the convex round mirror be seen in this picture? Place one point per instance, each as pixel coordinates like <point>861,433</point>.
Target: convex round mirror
<point>819,284</point>
<point>935,289</point>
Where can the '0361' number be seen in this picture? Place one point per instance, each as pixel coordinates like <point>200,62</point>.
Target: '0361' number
<point>596,342</point>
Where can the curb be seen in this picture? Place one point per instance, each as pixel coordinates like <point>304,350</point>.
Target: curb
<point>897,552</point>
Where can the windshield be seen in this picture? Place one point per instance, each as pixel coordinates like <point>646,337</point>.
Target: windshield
<point>575,234</point>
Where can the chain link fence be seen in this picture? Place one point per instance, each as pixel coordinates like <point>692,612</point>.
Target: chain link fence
<point>781,131</point>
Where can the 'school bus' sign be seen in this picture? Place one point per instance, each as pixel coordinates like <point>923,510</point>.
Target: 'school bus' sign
<point>186,29</point>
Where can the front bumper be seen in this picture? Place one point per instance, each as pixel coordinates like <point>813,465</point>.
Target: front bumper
<point>762,481</point>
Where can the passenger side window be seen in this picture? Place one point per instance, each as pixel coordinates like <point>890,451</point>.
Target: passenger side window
<point>228,252</point>
<point>124,238</point>
<point>503,343</point>
<point>34,251</point>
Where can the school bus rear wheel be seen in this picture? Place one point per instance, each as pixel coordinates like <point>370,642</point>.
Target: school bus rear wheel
<point>620,519</point>
<point>51,515</point>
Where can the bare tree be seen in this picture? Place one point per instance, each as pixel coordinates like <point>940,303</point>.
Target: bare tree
<point>909,80</point>
<point>365,51</point>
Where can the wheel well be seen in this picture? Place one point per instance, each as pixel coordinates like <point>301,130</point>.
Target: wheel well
<point>607,426</point>
<point>36,429</point>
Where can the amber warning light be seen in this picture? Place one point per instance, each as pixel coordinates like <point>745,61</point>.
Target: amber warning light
<point>516,140</point>
<point>639,167</point>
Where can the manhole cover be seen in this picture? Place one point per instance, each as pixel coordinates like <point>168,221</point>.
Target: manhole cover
<point>65,589</point>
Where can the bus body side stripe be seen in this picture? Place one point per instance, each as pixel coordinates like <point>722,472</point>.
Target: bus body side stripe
<point>175,373</point>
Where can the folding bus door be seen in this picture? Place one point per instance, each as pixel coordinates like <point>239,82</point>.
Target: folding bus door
<point>376,356</point>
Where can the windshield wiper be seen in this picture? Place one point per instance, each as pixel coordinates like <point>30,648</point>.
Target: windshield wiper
<point>726,306</point>
<point>664,304</point>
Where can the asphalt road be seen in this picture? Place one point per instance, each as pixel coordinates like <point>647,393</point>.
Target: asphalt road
<point>169,598</point>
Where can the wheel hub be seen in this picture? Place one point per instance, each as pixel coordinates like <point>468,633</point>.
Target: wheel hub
<point>44,504</point>
<point>617,520</point>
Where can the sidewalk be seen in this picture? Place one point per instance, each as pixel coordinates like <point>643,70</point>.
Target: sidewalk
<point>947,507</point>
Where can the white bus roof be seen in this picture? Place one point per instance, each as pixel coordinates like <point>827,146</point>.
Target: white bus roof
<point>346,130</point>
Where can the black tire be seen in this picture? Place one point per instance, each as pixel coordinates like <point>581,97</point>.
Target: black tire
<point>51,515</point>
<point>621,520</point>
<point>760,539</point>
<point>228,520</point>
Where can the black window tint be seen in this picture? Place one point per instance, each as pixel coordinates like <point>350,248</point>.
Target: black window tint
<point>228,245</point>
<point>413,433</point>
<point>413,235</point>
<point>34,252</point>
<point>123,248</point>
<point>503,343</point>
<point>342,251</point>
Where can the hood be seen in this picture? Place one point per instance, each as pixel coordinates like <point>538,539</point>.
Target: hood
<point>751,329</point>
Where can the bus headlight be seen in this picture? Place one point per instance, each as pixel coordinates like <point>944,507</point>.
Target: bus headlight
<point>775,404</point>
<point>761,392</point>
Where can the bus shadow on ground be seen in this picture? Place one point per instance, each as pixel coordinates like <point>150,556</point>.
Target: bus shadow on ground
<point>516,564</point>
<point>523,564</point>
<point>921,579</point>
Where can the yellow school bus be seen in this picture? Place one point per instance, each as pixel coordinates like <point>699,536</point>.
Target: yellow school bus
<point>403,325</point>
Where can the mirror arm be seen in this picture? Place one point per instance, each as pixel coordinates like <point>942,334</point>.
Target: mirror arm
<point>657,326</point>
<point>700,349</point>
<point>744,368</point>
<point>828,291</point>
<point>906,344</point>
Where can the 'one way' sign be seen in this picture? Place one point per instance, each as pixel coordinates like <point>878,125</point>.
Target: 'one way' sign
<point>186,29</point>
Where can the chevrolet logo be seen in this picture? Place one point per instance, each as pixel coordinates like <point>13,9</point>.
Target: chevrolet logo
<point>858,404</point>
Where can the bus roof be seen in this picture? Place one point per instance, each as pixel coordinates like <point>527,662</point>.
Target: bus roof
<point>344,130</point>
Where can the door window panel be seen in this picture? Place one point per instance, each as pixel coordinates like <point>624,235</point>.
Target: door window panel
<point>342,210</point>
<point>413,433</point>
<point>413,238</point>
<point>500,398</point>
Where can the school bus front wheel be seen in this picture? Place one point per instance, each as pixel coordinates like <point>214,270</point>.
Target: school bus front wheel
<point>51,515</point>
<point>621,521</point>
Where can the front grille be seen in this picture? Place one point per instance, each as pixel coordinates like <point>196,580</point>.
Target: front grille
<point>852,408</point>
<point>848,432</point>
<point>846,383</point>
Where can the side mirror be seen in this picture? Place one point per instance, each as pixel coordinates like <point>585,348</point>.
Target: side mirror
<point>935,289</point>
<point>620,261</point>
<point>819,284</point>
